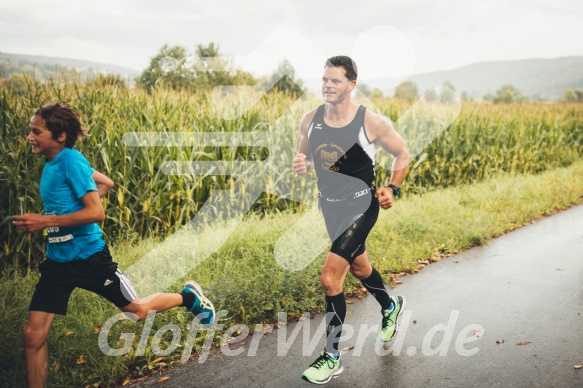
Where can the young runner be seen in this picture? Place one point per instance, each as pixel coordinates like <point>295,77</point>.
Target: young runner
<point>76,254</point>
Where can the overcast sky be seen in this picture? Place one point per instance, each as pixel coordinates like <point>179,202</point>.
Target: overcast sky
<point>387,39</point>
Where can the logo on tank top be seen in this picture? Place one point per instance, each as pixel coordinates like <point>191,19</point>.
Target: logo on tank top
<point>329,156</point>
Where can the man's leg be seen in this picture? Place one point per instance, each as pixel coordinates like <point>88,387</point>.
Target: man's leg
<point>391,307</point>
<point>35,335</point>
<point>371,279</point>
<point>332,280</point>
<point>328,364</point>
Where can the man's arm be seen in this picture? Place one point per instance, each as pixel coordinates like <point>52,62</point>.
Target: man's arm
<point>91,212</point>
<point>104,184</point>
<point>303,159</point>
<point>381,130</point>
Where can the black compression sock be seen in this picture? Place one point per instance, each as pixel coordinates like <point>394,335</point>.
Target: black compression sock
<point>335,314</point>
<point>374,285</point>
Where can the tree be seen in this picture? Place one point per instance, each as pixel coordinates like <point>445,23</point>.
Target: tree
<point>573,95</point>
<point>108,80</point>
<point>431,95</point>
<point>167,68</point>
<point>508,94</point>
<point>407,90</point>
<point>447,95</point>
<point>376,94</point>
<point>206,68</point>
<point>364,88</point>
<point>284,79</point>
<point>19,84</point>
<point>466,97</point>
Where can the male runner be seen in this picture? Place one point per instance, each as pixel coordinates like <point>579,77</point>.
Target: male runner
<point>338,138</point>
<point>76,255</point>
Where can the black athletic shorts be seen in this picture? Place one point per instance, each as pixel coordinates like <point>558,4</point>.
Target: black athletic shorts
<point>98,274</point>
<point>348,223</point>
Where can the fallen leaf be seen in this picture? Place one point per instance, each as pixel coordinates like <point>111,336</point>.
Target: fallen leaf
<point>162,379</point>
<point>156,360</point>
<point>303,318</point>
<point>423,261</point>
<point>127,381</point>
<point>97,329</point>
<point>500,341</point>
<point>347,348</point>
<point>394,281</point>
<point>477,333</point>
<point>81,360</point>
<point>349,301</point>
<point>578,366</point>
<point>522,343</point>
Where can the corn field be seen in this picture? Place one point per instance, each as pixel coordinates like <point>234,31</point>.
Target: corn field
<point>154,147</point>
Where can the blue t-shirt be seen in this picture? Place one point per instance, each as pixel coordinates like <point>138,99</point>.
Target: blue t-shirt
<point>65,180</point>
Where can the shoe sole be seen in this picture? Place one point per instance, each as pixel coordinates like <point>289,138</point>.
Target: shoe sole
<point>333,375</point>
<point>200,295</point>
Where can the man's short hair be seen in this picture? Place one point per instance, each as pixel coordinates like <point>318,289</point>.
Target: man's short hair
<point>61,118</point>
<point>347,63</point>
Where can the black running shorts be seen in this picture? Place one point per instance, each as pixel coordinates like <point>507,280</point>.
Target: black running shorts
<point>98,274</point>
<point>348,223</point>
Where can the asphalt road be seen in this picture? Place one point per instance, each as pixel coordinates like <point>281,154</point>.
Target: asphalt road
<point>507,314</point>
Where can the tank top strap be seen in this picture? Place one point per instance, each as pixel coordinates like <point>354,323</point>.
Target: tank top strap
<point>360,116</point>
<point>319,116</point>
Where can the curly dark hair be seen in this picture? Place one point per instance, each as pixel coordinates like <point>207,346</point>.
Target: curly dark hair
<point>61,118</point>
<point>347,63</point>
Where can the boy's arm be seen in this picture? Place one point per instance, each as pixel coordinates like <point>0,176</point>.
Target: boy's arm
<point>104,184</point>
<point>91,212</point>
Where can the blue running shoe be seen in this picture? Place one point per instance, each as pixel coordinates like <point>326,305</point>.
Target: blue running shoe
<point>202,308</point>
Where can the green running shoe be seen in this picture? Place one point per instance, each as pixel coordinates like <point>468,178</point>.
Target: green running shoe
<point>389,324</point>
<point>323,369</point>
<point>202,308</point>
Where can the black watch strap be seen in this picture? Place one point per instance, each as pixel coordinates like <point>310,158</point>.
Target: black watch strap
<point>396,190</point>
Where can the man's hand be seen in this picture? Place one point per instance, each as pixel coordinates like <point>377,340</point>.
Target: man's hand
<point>385,196</point>
<point>29,222</point>
<point>301,164</point>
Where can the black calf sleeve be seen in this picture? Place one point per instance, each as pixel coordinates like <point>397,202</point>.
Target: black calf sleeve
<point>374,285</point>
<point>335,314</point>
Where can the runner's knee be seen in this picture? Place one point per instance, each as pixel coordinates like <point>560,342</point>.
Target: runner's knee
<point>34,338</point>
<point>330,284</point>
<point>138,309</point>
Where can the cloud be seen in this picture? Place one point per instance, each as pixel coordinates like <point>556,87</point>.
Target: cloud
<point>444,33</point>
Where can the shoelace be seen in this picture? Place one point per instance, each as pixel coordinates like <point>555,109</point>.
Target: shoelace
<point>321,360</point>
<point>205,303</point>
<point>386,321</point>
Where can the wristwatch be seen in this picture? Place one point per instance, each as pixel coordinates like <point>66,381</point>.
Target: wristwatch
<point>396,190</point>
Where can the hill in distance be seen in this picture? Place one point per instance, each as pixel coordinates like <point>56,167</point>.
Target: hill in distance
<point>536,78</point>
<point>42,67</point>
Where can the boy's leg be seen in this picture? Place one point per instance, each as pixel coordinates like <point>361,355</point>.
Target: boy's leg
<point>35,335</point>
<point>191,297</point>
<point>158,302</point>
